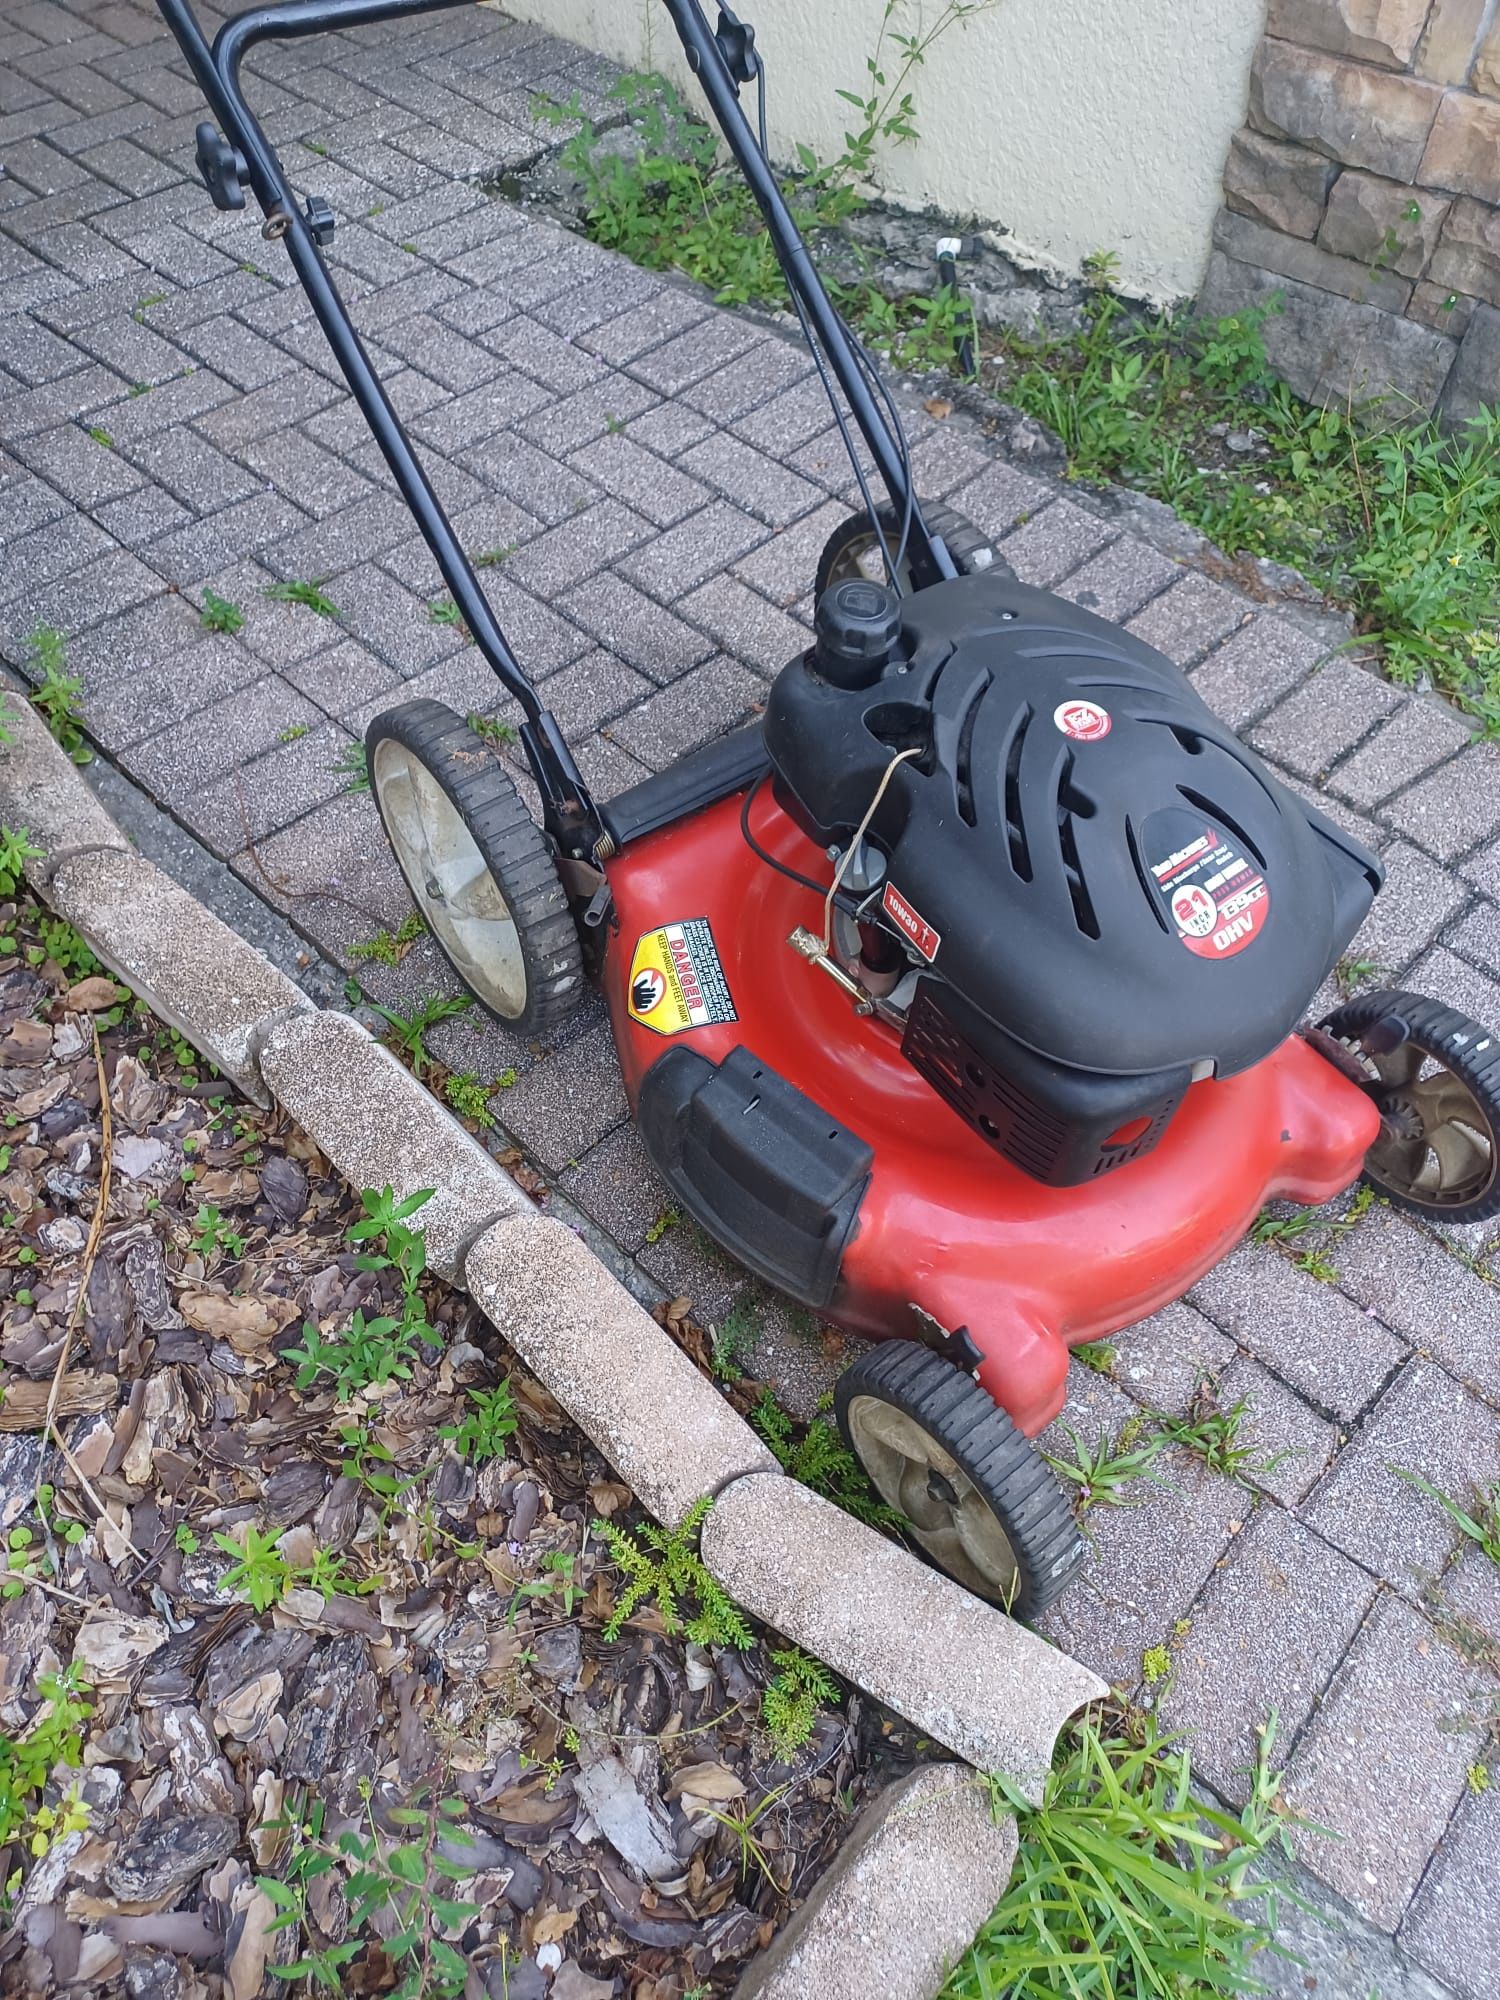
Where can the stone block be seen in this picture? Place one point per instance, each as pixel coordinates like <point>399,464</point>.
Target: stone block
<point>1162,1360</point>
<point>1453,1925</point>
<point>1467,258</point>
<point>1290,257</point>
<point>1285,187</point>
<point>965,1674</point>
<point>1446,51</point>
<point>1194,614</point>
<point>1463,153</point>
<point>381,1128</point>
<point>1409,743</point>
<point>1272,1624</point>
<point>1424,1423</point>
<point>1121,579</point>
<point>1382,1763</point>
<point>900,1903</point>
<point>1054,543</point>
<point>1423,1292</point>
<point>1458,805</point>
<point>1443,310</point>
<point>1418,899</point>
<point>1487,65</point>
<point>1376,31</point>
<point>1333,351</point>
<point>1360,116</point>
<point>1255,667</point>
<point>1324,717</point>
<point>1380,224</point>
<point>43,790</point>
<point>664,1427</point>
<point>196,973</point>
<point>1474,385</point>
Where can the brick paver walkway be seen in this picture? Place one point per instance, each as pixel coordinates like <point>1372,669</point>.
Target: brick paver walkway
<point>662,474</point>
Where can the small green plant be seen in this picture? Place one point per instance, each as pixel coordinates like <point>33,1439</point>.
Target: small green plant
<point>794,1698</point>
<point>1097,1355</point>
<point>353,763</point>
<point>219,615</point>
<point>470,1098</point>
<point>55,695</point>
<point>1283,1232</point>
<point>59,945</point>
<point>262,1576</point>
<point>101,436</point>
<point>398,1890</point>
<point>184,1540</point>
<point>822,1461</point>
<point>1212,1432</point>
<point>1128,1885</point>
<point>730,1341</point>
<point>741,1825</point>
<point>492,558</point>
<point>15,851</point>
<point>443,611</point>
<point>376,1349</point>
<point>293,733</point>
<point>1103,1470</point>
<point>1353,973</point>
<point>316,146</point>
<point>663,1564</point>
<point>1479,1522</point>
<point>657,1228</point>
<point>490,729</point>
<point>1156,1665</point>
<point>486,1425</point>
<point>1478,1776</point>
<point>308,595</point>
<point>390,947</point>
<point>53,1739</point>
<point>409,1030</point>
<point>214,1237</point>
<point>557,1584</point>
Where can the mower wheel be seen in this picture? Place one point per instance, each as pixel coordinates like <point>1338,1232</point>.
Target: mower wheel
<point>481,871</point>
<point>980,1499</point>
<point>1435,1076</point>
<point>852,550</point>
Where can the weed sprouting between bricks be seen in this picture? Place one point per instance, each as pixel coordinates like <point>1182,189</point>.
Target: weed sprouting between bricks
<point>308,595</point>
<point>1478,1521</point>
<point>409,1030</point>
<point>821,1460</point>
<point>55,695</point>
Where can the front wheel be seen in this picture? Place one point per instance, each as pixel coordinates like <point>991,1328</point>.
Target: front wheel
<point>480,869</point>
<point>1435,1076</point>
<point>979,1498</point>
<point>853,550</point>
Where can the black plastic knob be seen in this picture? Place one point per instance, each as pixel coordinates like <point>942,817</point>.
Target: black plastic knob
<point>857,623</point>
<point>223,169</point>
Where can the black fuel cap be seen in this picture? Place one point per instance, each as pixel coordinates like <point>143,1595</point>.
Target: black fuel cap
<point>857,623</point>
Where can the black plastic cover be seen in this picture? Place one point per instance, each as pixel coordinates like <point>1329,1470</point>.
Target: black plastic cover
<point>769,1174</point>
<point>1086,857</point>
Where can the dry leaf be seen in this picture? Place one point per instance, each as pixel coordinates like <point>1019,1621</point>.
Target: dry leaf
<point>713,1783</point>
<point>938,406</point>
<point>245,1323</point>
<point>93,995</point>
<point>555,1924</point>
<point>111,1643</point>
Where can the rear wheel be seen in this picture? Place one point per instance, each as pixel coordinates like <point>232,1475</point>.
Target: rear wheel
<point>1435,1076</point>
<point>980,1499</point>
<point>853,550</point>
<point>481,871</point>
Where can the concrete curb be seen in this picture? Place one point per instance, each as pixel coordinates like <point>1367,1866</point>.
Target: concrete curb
<point>926,1863</point>
<point>900,1903</point>
<point>978,1683</point>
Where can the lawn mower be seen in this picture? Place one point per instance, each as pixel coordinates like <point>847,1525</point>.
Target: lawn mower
<point>959,996</point>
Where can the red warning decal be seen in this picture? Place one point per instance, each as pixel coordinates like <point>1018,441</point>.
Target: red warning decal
<point>1084,721</point>
<point>1217,897</point>
<point>915,929</point>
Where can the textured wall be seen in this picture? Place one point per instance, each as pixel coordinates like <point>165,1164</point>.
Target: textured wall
<point>1366,189</point>
<point>1079,125</point>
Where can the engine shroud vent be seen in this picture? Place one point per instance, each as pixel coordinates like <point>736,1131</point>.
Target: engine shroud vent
<point>1060,1144</point>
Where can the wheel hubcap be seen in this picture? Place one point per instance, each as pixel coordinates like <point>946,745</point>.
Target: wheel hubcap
<point>459,899</point>
<point>1436,1143</point>
<point>948,1514</point>
<point>862,561</point>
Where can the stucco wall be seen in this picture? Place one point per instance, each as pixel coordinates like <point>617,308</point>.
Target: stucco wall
<point>1079,125</point>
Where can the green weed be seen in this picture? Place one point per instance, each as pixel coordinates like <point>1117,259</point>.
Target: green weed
<point>821,1460</point>
<point>490,729</point>
<point>409,1030</point>
<point>663,1565</point>
<point>308,595</point>
<point>353,762</point>
<point>262,1576</point>
<point>390,947</point>
<point>1102,1471</point>
<point>53,1740</point>
<point>293,733</point>
<point>1097,1355</point>
<point>470,1097</point>
<point>219,615</point>
<point>1282,1232</point>
<point>1481,1526</point>
<point>794,1698</point>
<point>213,1237</point>
<point>1212,1433</point>
<point>15,851</point>
<point>55,696</point>
<point>486,1425</point>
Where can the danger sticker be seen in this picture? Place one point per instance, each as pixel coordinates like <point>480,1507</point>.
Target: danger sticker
<point>1084,721</point>
<point>677,980</point>
<point>913,927</point>
<point>1216,896</point>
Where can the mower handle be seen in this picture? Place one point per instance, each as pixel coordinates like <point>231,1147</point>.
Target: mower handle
<point>247,153</point>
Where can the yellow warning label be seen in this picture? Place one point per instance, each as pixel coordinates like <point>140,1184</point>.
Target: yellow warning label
<point>677,981</point>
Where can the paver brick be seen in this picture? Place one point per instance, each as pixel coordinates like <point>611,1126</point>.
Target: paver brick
<point>1453,1925</point>
<point>1383,1762</point>
<point>259,795</point>
<point>565,1105</point>
<point>700,705</point>
<point>1000,498</point>
<point>745,624</point>
<point>640,479</point>
<point>1458,984</point>
<point>669,429</point>
<point>575,549</point>
<point>1188,618</point>
<point>1312,727</point>
<point>1455,808</point>
<point>1334,1355</point>
<point>1054,543</point>
<point>1120,579</point>
<point>1410,741</point>
<point>749,381</point>
<point>1417,900</point>
<point>635,627</point>
<point>334,873</point>
<point>687,358</point>
<point>343,677</point>
<point>182,759</point>
<point>617,1184</point>
<point>1477,937</point>
<point>1293,1445</point>
<point>671,564</point>
<point>1261,662</point>
<point>590,692</point>
<point>1466,1602</point>
<point>1426,1423</point>
<point>568,423</point>
<point>1271,1625</point>
<point>1425,1293</point>
<point>1163,1360</point>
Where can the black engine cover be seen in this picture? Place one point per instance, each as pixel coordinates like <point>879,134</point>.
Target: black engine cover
<point>1106,884</point>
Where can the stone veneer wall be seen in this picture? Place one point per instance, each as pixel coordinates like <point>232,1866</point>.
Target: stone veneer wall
<point>1364,189</point>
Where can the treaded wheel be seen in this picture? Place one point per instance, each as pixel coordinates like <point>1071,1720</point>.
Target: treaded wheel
<point>480,869</point>
<point>982,1501</point>
<point>1435,1075</point>
<point>852,550</point>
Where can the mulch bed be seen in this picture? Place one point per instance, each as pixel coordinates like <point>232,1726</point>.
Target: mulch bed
<point>430,1678</point>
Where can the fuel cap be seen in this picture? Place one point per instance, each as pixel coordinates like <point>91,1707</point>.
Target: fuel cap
<point>857,624</point>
